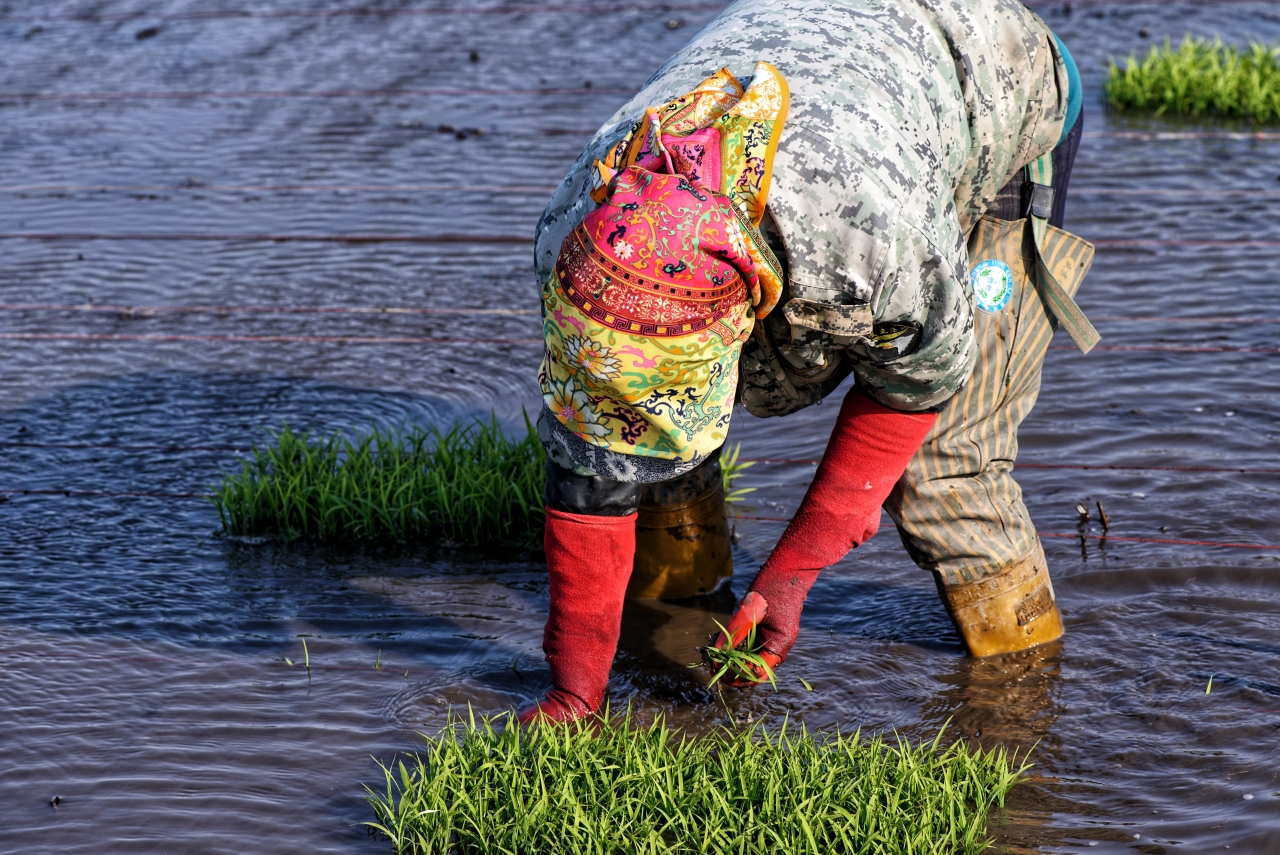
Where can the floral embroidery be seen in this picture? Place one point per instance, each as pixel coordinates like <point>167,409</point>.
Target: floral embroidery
<point>592,357</point>
<point>573,408</point>
<point>669,275</point>
<point>736,239</point>
<point>746,125</point>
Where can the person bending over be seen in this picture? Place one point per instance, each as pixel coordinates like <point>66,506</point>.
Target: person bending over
<point>812,189</point>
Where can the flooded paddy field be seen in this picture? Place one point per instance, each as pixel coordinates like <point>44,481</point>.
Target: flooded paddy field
<point>158,155</point>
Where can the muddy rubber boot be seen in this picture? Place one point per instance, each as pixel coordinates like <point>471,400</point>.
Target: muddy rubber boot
<point>682,536</point>
<point>1012,610</point>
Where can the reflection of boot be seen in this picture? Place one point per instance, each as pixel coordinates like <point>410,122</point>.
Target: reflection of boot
<point>589,561</point>
<point>682,537</point>
<point>1010,610</point>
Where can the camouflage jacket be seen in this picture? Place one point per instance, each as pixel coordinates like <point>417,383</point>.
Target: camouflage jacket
<point>907,117</point>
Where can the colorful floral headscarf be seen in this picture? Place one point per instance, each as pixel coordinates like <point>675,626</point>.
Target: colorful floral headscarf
<point>654,293</point>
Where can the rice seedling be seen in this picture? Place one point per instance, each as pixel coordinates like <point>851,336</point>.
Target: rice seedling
<point>731,470</point>
<point>470,484</point>
<point>743,661</point>
<point>1200,78</point>
<point>620,788</point>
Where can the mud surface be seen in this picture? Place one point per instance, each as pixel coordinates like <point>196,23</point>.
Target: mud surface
<point>144,669</point>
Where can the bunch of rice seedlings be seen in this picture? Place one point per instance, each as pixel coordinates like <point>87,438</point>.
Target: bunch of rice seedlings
<point>618,788</point>
<point>1200,78</point>
<point>736,661</point>
<point>731,470</point>
<point>471,484</point>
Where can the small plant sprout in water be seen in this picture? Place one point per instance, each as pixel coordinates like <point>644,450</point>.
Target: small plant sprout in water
<point>736,661</point>
<point>612,785</point>
<point>731,470</point>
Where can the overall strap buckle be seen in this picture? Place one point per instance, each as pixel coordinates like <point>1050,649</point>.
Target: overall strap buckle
<point>1056,298</point>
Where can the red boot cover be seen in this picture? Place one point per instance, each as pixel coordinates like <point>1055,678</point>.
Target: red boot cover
<point>556,707</point>
<point>589,560</point>
<point>869,450</point>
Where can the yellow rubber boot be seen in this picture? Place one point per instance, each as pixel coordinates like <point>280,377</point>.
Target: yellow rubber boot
<point>1012,610</point>
<point>682,537</point>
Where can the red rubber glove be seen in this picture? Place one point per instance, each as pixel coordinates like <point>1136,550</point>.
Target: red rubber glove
<point>589,560</point>
<point>869,450</point>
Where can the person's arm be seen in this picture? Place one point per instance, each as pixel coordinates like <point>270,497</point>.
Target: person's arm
<point>921,350</point>
<point>869,449</point>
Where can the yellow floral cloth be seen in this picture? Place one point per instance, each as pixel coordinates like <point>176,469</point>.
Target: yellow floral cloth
<point>655,291</point>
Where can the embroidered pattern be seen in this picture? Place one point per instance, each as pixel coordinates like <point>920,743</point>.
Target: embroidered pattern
<point>718,134</point>
<point>655,291</point>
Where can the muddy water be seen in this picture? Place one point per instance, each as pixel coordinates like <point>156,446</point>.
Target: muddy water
<point>144,666</point>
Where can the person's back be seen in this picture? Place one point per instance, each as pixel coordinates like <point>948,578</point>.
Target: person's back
<point>906,118</point>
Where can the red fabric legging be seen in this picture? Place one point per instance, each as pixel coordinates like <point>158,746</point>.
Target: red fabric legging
<point>589,560</point>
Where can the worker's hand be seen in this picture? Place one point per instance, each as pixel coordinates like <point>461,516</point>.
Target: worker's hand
<point>750,612</point>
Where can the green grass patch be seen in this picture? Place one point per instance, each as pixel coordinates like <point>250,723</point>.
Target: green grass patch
<point>621,788</point>
<point>472,484</point>
<point>1200,78</point>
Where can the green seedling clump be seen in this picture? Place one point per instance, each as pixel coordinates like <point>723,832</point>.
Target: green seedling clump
<point>1200,78</point>
<point>619,788</point>
<point>731,470</point>
<point>471,484</point>
<point>736,661</point>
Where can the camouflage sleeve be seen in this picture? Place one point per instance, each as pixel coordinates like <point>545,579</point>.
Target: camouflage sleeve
<point>866,281</point>
<point>920,350</point>
<point>571,201</point>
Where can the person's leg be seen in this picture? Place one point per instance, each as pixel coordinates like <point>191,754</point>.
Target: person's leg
<point>958,508</point>
<point>590,542</point>
<point>682,535</point>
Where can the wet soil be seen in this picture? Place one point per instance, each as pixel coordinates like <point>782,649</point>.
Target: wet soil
<point>144,665</point>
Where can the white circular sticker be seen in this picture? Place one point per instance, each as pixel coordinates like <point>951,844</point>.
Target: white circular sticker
<point>992,283</point>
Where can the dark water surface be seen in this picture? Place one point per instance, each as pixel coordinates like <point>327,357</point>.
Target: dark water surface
<point>142,662</point>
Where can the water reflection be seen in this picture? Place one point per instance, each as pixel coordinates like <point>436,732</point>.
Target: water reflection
<point>143,662</point>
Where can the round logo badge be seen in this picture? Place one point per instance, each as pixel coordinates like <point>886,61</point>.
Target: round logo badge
<point>992,283</point>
